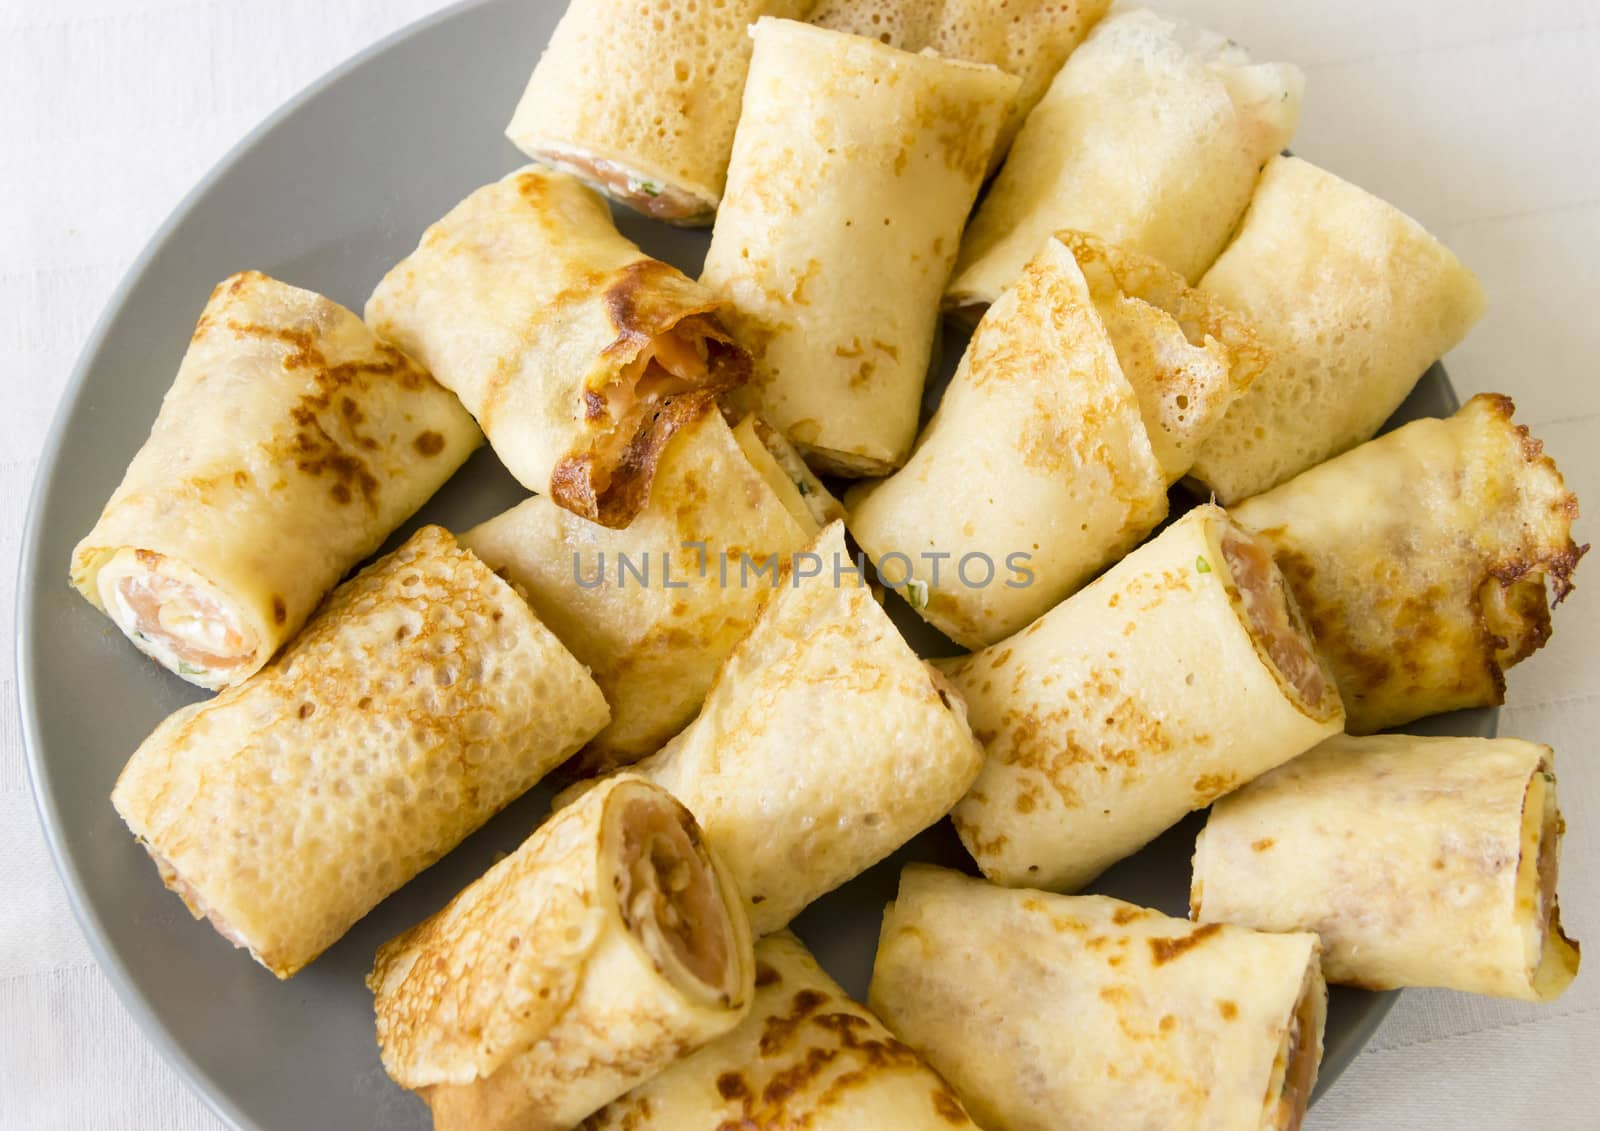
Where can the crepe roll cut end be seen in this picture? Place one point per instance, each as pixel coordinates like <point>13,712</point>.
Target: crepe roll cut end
<point>1553,958</point>
<point>1294,1073</point>
<point>177,618</point>
<point>670,897</point>
<point>653,194</point>
<point>804,496</point>
<point>1275,623</point>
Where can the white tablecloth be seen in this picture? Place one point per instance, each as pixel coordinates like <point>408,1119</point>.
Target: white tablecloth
<point>1479,117</point>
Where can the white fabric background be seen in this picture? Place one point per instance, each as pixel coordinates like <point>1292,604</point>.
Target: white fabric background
<point>1479,117</point>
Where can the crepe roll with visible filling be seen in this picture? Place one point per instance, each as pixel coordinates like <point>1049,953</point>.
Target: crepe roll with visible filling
<point>1180,674</point>
<point>422,698</point>
<point>288,448</point>
<point>654,609</point>
<point>824,745</point>
<point>1029,38</point>
<point>641,101</point>
<point>1047,1012</point>
<point>579,354</point>
<point>1354,298</point>
<point>1151,137</point>
<point>608,946</point>
<point>853,172</point>
<point>1419,862</point>
<point>806,1056</point>
<point>1425,560</point>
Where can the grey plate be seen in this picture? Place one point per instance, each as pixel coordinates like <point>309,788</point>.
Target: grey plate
<point>327,194</point>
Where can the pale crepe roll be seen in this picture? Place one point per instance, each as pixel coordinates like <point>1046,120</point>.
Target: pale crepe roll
<point>853,172</point>
<point>1047,1012</point>
<point>1354,298</point>
<point>823,746</point>
<point>579,354</point>
<point>805,1056</point>
<point>289,446</point>
<point>421,699</point>
<point>646,607</point>
<point>1035,473</point>
<point>1029,38</point>
<point>1422,558</point>
<point>1151,136</point>
<point>1180,674</point>
<point>608,946</point>
<point>1419,862</point>
<point>641,101</point>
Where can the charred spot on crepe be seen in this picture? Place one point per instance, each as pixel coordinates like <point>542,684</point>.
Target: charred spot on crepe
<point>1163,951</point>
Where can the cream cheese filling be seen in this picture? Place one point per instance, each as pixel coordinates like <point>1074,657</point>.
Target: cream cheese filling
<point>175,616</point>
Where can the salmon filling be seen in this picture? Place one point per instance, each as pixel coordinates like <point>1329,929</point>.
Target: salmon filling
<point>174,615</point>
<point>1266,604</point>
<point>670,900</point>
<point>660,200</point>
<point>1299,1061</point>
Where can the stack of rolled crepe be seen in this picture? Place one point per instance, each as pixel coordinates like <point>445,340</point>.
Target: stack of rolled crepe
<point>579,355</point>
<point>853,171</point>
<point>422,698</point>
<point>290,445</point>
<point>654,608</point>
<point>608,946</point>
<point>1142,139</point>
<point>1047,1011</point>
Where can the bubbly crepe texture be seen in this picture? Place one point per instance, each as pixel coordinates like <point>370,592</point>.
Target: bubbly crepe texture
<point>1419,862</point>
<point>1142,140</point>
<point>1064,1013</point>
<point>578,354</point>
<point>642,101</point>
<point>853,172</point>
<point>605,948</point>
<point>1038,448</point>
<point>1028,38</point>
<point>823,746</point>
<point>1422,560</point>
<point>647,608</point>
<point>1180,674</point>
<point>805,1056</point>
<point>421,699</point>
<point>1354,298</point>
<point>289,446</point>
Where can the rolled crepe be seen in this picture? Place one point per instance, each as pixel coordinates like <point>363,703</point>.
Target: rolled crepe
<point>422,698</point>
<point>641,102</point>
<point>1048,1012</point>
<point>853,171</point>
<point>579,354</point>
<point>606,947</point>
<point>805,1056</point>
<point>1419,862</point>
<point>1421,560</point>
<point>1029,38</point>
<point>1179,675</point>
<point>1035,474</point>
<point>647,608</point>
<point>1142,140</point>
<point>824,745</point>
<point>290,445</point>
<point>1354,298</point>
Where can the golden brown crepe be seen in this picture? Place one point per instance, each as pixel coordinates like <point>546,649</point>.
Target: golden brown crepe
<point>421,699</point>
<point>1419,862</point>
<point>641,101</point>
<point>805,1056</point>
<point>1354,298</point>
<point>1151,137</point>
<point>606,947</point>
<point>579,354</point>
<point>1180,674</point>
<point>1047,1012</point>
<point>1035,474</point>
<point>655,608</point>
<point>1422,559</point>
<point>1029,38</point>
<point>853,171</point>
<point>824,744</point>
<point>289,446</point>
